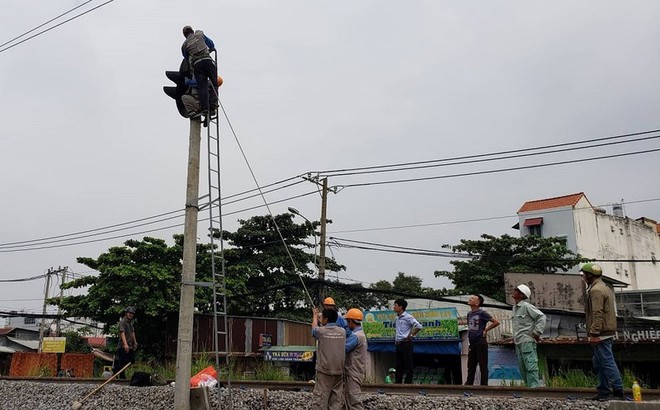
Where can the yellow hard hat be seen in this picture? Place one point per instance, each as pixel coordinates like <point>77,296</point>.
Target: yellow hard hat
<point>329,301</point>
<point>354,314</point>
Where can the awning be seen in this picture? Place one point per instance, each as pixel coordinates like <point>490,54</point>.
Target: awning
<point>533,222</point>
<point>452,347</point>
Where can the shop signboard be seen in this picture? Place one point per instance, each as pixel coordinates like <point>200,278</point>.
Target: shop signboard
<point>54,345</point>
<point>289,356</point>
<point>439,324</point>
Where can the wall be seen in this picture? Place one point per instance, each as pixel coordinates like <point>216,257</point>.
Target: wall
<point>31,364</point>
<point>556,222</point>
<point>550,290</point>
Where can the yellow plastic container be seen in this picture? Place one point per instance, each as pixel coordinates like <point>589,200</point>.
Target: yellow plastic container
<point>636,391</point>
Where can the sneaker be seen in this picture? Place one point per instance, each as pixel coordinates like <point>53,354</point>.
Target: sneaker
<point>618,395</point>
<point>599,397</point>
<point>194,114</point>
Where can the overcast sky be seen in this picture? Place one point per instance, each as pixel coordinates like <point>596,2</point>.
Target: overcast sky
<point>88,139</point>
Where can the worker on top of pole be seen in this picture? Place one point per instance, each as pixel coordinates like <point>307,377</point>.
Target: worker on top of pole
<point>197,48</point>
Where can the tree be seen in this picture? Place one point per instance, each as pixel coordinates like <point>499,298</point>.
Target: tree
<point>260,278</point>
<point>407,284</point>
<point>145,274</point>
<point>492,257</point>
<point>272,286</point>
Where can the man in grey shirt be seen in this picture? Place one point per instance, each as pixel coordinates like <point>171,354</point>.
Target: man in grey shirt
<point>528,323</point>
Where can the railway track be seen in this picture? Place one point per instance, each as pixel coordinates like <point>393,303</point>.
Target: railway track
<point>393,389</point>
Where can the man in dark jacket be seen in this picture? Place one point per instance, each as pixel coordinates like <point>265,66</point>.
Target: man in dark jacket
<point>601,329</point>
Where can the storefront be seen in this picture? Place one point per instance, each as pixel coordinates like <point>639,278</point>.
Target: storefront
<point>437,348</point>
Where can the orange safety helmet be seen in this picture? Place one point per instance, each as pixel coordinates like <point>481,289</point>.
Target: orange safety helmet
<point>220,81</point>
<point>354,314</point>
<point>329,301</point>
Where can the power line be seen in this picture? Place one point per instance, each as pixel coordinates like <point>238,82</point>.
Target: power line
<point>22,279</point>
<point>495,171</point>
<point>108,228</point>
<point>41,25</point>
<point>405,164</point>
<point>480,160</point>
<point>35,247</point>
<point>403,248</point>
<point>457,255</point>
<point>490,218</point>
<point>55,26</point>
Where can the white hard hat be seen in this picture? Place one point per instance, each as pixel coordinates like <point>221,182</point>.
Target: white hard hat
<point>525,290</point>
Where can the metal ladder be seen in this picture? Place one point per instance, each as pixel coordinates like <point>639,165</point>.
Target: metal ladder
<point>220,322</point>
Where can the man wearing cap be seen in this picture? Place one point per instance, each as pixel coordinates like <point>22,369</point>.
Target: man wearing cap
<point>528,323</point>
<point>391,376</point>
<point>196,49</point>
<point>127,341</point>
<point>601,328</point>
<point>331,355</point>
<point>356,360</point>
<point>329,303</point>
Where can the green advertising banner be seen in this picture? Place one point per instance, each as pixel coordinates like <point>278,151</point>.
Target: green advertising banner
<point>439,324</point>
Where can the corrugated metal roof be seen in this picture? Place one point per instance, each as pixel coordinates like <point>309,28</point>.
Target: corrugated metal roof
<point>30,344</point>
<point>556,202</point>
<point>5,330</point>
<point>5,349</point>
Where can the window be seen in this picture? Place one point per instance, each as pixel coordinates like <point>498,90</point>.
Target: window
<point>29,321</point>
<point>534,226</point>
<point>535,230</point>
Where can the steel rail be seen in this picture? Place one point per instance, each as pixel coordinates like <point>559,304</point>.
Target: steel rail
<point>572,393</point>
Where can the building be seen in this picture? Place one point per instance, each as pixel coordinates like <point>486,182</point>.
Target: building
<point>626,248</point>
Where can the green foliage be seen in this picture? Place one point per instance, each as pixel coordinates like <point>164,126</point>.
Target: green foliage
<point>260,279</point>
<point>265,371</point>
<point>266,282</point>
<point>492,257</point>
<point>407,283</point>
<point>572,378</point>
<point>629,377</point>
<point>41,371</point>
<point>75,343</point>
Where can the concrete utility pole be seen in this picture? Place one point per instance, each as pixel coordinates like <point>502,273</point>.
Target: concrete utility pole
<point>186,306</point>
<point>58,327</point>
<point>324,221</point>
<point>42,326</point>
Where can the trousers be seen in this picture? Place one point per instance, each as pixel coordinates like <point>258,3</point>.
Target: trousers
<point>328,392</point>
<point>404,361</point>
<point>606,370</point>
<point>528,363</point>
<point>478,354</point>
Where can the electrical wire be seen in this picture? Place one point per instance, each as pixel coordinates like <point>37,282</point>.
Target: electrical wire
<point>23,279</point>
<point>405,164</point>
<point>108,228</point>
<point>147,231</point>
<point>41,25</point>
<point>495,171</point>
<point>55,26</point>
<point>490,218</point>
<point>254,178</point>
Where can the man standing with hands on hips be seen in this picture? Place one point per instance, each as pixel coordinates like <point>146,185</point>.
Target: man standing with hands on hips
<point>480,323</point>
<point>406,329</point>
